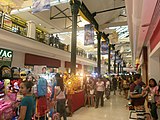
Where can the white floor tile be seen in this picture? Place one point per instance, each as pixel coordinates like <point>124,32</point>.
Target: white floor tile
<point>114,109</point>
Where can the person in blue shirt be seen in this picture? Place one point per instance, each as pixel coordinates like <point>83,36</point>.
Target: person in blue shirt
<point>52,95</point>
<point>27,103</point>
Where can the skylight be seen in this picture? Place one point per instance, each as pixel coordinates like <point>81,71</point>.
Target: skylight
<point>121,30</point>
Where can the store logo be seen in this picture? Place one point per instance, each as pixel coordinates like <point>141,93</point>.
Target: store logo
<point>5,53</point>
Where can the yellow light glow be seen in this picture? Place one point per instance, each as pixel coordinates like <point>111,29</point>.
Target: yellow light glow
<point>11,3</point>
<point>7,3</point>
<point>69,83</point>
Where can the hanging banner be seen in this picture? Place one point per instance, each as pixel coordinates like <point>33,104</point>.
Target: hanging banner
<point>40,5</point>
<point>88,34</point>
<point>6,57</point>
<point>104,47</point>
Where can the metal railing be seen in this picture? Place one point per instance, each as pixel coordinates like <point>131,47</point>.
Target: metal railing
<point>19,27</point>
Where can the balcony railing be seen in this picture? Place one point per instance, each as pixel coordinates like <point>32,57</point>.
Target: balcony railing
<point>18,26</point>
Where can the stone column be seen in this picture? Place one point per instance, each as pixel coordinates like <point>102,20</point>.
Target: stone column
<point>31,29</point>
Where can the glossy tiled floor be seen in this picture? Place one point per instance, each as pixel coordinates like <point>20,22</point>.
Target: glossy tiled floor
<point>114,109</point>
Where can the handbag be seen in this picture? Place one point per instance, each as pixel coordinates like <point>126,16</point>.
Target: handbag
<point>151,98</point>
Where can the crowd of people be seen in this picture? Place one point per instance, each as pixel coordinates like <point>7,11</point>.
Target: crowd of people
<point>28,101</point>
<point>131,87</point>
<point>96,91</point>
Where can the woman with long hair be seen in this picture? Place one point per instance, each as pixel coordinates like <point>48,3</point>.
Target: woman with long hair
<point>152,98</point>
<point>60,97</point>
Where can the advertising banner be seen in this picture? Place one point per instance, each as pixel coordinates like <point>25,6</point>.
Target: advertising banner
<point>40,5</point>
<point>104,47</point>
<point>88,34</point>
<point>6,57</point>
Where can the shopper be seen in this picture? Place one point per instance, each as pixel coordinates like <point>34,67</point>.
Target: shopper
<point>152,98</point>
<point>107,90</point>
<point>158,101</point>
<point>86,91</point>
<point>120,84</point>
<point>27,103</point>
<point>99,92</point>
<point>114,81</point>
<point>91,91</point>
<point>137,95</point>
<point>18,31</point>
<point>126,87</point>
<point>42,37</point>
<point>57,41</point>
<point>44,69</point>
<point>29,78</point>
<point>54,84</point>
<point>51,40</point>
<point>60,97</point>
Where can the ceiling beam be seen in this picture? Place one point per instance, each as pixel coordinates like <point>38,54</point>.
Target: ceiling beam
<point>54,17</point>
<point>108,10</point>
<point>113,24</point>
<point>89,16</point>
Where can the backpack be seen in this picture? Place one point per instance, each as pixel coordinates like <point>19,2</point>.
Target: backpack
<point>15,72</point>
<point>1,86</point>
<point>2,93</point>
<point>7,85</point>
<point>5,72</point>
<point>42,87</point>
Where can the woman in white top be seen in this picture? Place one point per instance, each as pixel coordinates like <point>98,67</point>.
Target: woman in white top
<point>99,92</point>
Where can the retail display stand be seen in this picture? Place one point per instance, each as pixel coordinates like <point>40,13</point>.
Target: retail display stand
<point>9,86</point>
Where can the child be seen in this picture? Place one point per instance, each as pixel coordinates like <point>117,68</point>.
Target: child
<point>27,103</point>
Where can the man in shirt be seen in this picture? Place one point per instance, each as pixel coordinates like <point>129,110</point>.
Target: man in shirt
<point>137,94</point>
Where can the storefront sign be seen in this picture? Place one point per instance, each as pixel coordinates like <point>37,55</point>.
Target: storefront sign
<point>5,57</point>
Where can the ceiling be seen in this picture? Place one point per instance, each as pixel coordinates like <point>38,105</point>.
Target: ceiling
<point>62,26</point>
<point>142,21</point>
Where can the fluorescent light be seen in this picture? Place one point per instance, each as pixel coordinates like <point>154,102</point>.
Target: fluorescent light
<point>25,9</point>
<point>14,11</point>
<point>128,56</point>
<point>114,27</point>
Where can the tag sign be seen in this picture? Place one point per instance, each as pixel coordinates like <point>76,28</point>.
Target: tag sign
<point>5,57</point>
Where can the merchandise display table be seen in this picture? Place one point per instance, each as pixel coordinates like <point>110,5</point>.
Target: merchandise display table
<point>76,100</point>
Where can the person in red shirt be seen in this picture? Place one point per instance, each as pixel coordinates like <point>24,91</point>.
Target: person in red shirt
<point>137,93</point>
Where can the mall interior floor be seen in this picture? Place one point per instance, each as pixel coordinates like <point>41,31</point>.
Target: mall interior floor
<point>114,109</point>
